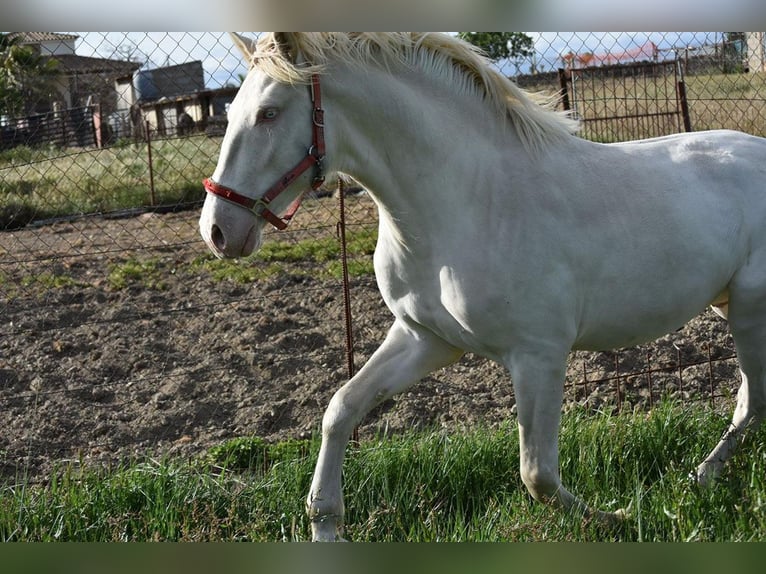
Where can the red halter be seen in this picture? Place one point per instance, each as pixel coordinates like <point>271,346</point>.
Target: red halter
<point>314,158</point>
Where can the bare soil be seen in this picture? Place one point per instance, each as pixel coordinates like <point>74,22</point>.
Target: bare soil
<point>176,360</point>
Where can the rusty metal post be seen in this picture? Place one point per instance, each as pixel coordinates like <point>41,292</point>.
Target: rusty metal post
<point>710,375</point>
<point>680,372</point>
<point>152,198</point>
<point>563,82</point>
<point>585,379</point>
<point>341,230</point>
<point>617,372</point>
<point>649,377</point>
<point>681,90</point>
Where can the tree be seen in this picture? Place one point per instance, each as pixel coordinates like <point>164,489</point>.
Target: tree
<point>128,52</point>
<point>25,77</point>
<point>514,46</point>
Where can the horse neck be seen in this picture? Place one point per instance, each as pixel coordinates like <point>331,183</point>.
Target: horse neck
<point>412,141</point>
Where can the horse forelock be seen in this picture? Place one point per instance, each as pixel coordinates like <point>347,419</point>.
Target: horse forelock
<point>536,123</point>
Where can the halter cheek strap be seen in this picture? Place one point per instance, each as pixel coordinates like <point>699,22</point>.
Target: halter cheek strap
<point>314,158</point>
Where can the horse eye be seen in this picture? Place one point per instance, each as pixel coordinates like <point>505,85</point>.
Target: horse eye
<point>268,114</point>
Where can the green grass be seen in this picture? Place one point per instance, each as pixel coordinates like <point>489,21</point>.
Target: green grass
<point>241,271</point>
<point>42,183</point>
<point>321,256</point>
<point>320,250</point>
<point>37,283</point>
<point>147,274</point>
<point>418,487</point>
<point>46,280</point>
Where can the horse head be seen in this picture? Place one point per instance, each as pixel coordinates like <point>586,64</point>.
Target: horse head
<point>271,154</point>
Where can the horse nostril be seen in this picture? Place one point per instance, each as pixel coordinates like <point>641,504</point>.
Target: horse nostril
<point>216,236</point>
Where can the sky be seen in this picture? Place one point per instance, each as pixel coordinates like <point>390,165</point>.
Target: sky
<point>222,62</point>
<point>220,59</point>
<point>363,14</point>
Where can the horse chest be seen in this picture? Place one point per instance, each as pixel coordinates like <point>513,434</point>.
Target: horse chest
<point>446,302</point>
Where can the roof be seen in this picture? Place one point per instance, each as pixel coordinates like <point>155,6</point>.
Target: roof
<point>217,92</point>
<point>37,37</point>
<point>73,64</point>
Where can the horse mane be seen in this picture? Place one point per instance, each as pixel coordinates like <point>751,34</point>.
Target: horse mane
<point>532,115</point>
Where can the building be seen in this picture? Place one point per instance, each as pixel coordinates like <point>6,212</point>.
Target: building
<point>183,114</point>
<point>121,97</point>
<point>47,43</point>
<point>756,51</point>
<point>170,100</point>
<point>81,80</point>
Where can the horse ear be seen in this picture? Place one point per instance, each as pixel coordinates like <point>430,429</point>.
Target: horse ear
<point>245,45</point>
<point>287,42</point>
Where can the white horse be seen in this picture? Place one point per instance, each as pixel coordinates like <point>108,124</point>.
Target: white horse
<point>501,233</point>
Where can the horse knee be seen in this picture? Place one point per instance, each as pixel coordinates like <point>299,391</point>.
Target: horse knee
<point>341,415</point>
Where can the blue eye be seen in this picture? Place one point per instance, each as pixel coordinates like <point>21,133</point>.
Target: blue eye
<point>268,114</point>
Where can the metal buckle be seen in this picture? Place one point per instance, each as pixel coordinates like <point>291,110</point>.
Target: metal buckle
<point>318,178</point>
<point>313,151</point>
<point>318,117</point>
<point>260,206</point>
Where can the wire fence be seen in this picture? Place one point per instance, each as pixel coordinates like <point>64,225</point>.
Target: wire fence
<point>121,334</point>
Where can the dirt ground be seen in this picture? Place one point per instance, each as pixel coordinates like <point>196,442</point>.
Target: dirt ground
<point>174,360</point>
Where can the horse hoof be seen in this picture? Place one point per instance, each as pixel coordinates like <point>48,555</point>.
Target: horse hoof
<point>613,519</point>
<point>621,515</point>
<point>325,531</point>
<point>706,475</point>
<point>331,538</point>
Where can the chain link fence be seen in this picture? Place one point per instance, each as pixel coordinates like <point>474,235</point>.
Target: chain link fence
<point>122,335</point>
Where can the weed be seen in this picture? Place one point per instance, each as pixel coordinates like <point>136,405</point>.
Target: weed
<point>147,274</point>
<point>48,280</point>
<point>241,271</point>
<point>325,251</point>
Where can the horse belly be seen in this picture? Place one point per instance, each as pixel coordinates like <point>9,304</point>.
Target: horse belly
<point>658,271</point>
<point>641,317</point>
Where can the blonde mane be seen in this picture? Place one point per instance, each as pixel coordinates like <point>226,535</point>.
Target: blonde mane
<point>536,123</point>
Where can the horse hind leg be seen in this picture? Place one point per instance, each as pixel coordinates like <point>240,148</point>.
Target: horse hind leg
<point>539,387</point>
<point>747,320</point>
<point>747,414</point>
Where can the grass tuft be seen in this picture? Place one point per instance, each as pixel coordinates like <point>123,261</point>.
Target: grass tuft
<point>318,256</point>
<point>147,274</point>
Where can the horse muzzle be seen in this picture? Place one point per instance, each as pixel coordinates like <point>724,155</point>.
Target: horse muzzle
<point>227,231</point>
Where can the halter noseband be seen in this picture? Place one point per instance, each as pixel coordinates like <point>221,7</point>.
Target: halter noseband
<point>314,158</point>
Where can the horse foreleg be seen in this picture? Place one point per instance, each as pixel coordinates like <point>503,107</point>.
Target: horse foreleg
<point>538,380</point>
<point>407,355</point>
